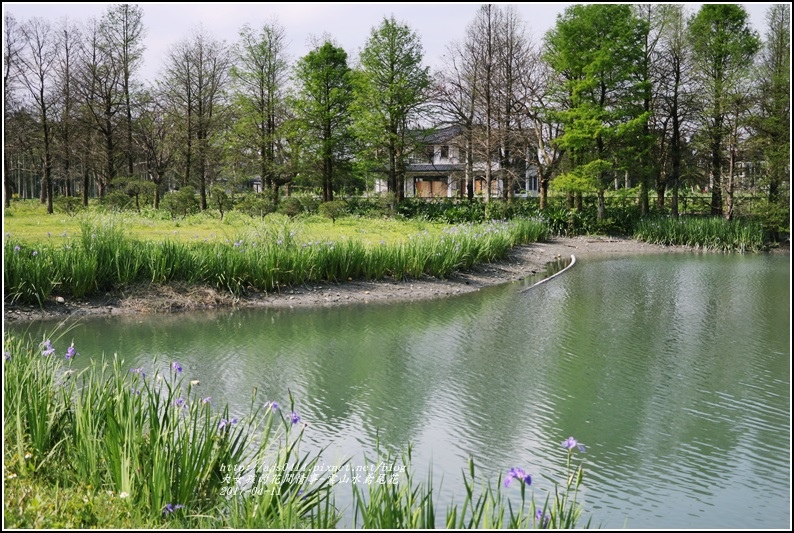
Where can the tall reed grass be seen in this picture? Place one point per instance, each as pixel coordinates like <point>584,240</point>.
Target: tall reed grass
<point>266,257</point>
<point>711,233</point>
<point>167,457</point>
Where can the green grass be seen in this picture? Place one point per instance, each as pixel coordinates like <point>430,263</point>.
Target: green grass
<point>118,447</point>
<point>708,233</point>
<point>263,256</point>
<point>27,221</point>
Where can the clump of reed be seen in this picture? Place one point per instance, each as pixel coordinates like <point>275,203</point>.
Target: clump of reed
<point>265,258</point>
<point>708,233</point>
<point>149,439</point>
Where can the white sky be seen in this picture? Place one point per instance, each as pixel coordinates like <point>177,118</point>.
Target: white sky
<point>348,24</point>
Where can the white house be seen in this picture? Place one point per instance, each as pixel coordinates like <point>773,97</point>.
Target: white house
<point>438,170</point>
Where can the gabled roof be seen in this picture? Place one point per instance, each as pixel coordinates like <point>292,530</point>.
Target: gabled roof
<point>429,167</point>
<point>439,135</point>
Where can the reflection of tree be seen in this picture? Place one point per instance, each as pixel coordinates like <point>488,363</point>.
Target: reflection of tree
<point>674,393</point>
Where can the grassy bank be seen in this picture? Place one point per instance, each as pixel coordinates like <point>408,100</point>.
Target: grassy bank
<point>119,447</point>
<point>91,252</point>
<point>263,257</point>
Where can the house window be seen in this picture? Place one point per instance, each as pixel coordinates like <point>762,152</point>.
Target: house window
<point>429,153</point>
<point>445,152</point>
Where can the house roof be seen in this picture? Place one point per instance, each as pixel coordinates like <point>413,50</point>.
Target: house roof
<point>439,135</point>
<point>433,168</point>
<point>442,135</point>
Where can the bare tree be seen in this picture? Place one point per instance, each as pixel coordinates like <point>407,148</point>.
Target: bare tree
<point>69,38</point>
<point>122,27</point>
<point>455,95</point>
<point>482,33</point>
<point>99,82</point>
<point>197,71</point>
<point>537,103</point>
<point>37,74</point>
<point>12,48</point>
<point>155,134</point>
<point>673,75</point>
<point>513,54</point>
<point>260,75</point>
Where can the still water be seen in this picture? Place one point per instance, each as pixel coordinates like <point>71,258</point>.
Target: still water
<point>674,371</point>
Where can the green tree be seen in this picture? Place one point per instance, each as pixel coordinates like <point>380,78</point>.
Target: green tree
<point>723,48</point>
<point>322,111</point>
<point>773,122</point>
<point>598,51</point>
<point>391,96</point>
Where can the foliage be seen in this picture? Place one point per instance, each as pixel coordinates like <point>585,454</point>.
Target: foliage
<point>773,216</point>
<point>723,48</point>
<point>322,112</point>
<point>597,49</point>
<point>390,97</point>
<point>68,204</point>
<point>290,206</point>
<point>221,200</point>
<point>710,233</point>
<point>181,203</point>
<point>263,258</point>
<point>257,204</point>
<point>147,437</point>
<point>333,209</point>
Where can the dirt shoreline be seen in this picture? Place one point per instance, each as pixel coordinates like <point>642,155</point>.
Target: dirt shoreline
<point>522,261</point>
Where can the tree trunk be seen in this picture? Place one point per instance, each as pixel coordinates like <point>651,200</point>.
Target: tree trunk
<point>601,213</point>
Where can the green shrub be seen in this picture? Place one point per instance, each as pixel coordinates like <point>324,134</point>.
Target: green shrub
<point>257,205</point>
<point>333,209</point>
<point>290,206</point>
<point>181,203</point>
<point>71,205</point>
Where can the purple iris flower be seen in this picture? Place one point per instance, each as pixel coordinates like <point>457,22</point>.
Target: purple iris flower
<point>49,350</point>
<point>70,352</point>
<point>170,508</point>
<point>294,418</point>
<point>519,474</point>
<point>570,443</point>
<point>223,423</point>
<point>176,366</point>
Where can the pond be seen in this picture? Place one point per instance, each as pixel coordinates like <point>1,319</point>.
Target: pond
<point>674,371</point>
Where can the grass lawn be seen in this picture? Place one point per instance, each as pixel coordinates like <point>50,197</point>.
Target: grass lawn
<point>29,222</point>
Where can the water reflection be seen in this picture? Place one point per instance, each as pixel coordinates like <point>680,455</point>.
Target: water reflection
<point>674,370</point>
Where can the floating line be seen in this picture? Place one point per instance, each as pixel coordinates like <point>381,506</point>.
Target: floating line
<point>544,280</point>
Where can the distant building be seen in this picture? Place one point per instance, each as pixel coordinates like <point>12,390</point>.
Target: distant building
<point>437,170</point>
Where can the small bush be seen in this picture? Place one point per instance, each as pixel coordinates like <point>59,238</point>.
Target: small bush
<point>181,203</point>
<point>70,205</point>
<point>333,210</point>
<point>257,205</point>
<point>290,206</point>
